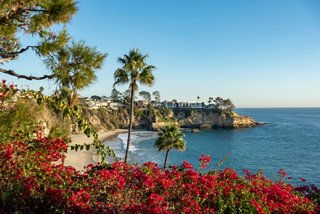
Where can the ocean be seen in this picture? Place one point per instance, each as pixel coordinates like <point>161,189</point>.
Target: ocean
<point>290,141</point>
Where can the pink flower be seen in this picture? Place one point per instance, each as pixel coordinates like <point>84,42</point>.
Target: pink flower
<point>81,198</point>
<point>187,165</point>
<point>8,153</point>
<point>282,172</point>
<point>302,179</point>
<point>204,160</point>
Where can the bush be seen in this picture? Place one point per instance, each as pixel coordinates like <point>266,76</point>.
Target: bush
<point>31,180</point>
<point>20,120</point>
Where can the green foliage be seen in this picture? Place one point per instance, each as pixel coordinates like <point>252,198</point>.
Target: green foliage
<point>58,104</point>
<point>149,113</point>
<point>74,66</point>
<point>115,95</point>
<point>164,114</point>
<point>156,95</point>
<point>19,121</point>
<point>134,70</point>
<point>61,129</point>
<point>223,105</point>
<point>170,137</point>
<point>145,95</point>
<point>33,17</point>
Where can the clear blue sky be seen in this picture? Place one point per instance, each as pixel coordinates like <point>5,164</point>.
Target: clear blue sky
<point>257,53</point>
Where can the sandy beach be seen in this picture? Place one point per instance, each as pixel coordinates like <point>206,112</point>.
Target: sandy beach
<point>82,158</point>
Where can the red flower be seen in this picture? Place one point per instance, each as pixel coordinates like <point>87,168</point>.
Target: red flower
<point>302,179</point>
<point>282,172</point>
<point>8,152</point>
<point>81,199</point>
<point>187,165</point>
<point>155,198</point>
<point>204,160</point>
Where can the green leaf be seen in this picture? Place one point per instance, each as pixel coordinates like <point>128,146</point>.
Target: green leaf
<point>87,131</point>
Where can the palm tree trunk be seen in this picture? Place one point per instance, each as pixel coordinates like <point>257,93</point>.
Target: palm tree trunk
<point>130,122</point>
<point>165,159</point>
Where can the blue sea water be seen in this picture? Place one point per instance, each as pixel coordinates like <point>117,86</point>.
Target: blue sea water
<point>291,141</point>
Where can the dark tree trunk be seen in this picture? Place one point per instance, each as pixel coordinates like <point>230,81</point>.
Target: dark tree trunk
<point>165,159</point>
<point>130,122</point>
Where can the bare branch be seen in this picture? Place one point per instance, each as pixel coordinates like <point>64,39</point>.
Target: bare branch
<point>14,54</point>
<point>13,73</point>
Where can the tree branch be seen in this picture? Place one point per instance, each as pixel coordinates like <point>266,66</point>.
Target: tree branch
<point>13,73</point>
<point>15,53</point>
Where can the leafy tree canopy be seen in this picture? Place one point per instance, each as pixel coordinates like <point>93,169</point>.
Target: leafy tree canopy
<point>145,95</point>
<point>156,95</point>
<point>44,20</point>
<point>223,105</point>
<point>115,95</point>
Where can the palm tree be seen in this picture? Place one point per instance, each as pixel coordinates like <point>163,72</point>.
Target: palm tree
<point>134,70</point>
<point>170,137</point>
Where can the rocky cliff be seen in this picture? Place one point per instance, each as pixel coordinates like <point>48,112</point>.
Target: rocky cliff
<point>208,119</point>
<point>154,118</point>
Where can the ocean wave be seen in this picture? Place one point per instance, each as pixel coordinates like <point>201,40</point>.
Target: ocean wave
<point>123,140</point>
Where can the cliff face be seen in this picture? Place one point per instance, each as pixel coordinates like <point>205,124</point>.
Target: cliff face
<point>209,119</point>
<point>103,119</point>
<point>154,119</point>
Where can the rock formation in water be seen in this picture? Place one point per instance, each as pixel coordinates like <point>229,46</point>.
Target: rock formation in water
<point>206,118</point>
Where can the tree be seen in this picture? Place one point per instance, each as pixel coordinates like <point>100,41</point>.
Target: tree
<point>126,97</point>
<point>210,100</point>
<point>95,97</point>
<point>170,137</point>
<point>156,95</point>
<point>115,95</point>
<point>145,95</point>
<point>228,105</point>
<point>223,106</point>
<point>35,18</point>
<point>134,70</point>
<point>74,66</point>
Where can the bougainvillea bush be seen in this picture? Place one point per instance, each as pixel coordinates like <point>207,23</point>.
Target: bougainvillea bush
<point>32,181</point>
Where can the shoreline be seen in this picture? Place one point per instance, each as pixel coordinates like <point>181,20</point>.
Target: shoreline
<point>81,158</point>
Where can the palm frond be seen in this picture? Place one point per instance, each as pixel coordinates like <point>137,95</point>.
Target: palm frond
<point>120,77</point>
<point>170,137</point>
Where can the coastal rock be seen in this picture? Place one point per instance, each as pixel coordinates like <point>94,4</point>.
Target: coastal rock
<point>243,121</point>
<point>208,119</point>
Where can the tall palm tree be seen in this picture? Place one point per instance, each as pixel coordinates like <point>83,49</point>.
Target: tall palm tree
<point>170,137</point>
<point>134,70</point>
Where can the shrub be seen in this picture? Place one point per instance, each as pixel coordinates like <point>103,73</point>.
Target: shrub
<point>31,180</point>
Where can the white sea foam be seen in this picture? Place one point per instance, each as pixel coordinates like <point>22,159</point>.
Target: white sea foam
<point>139,151</point>
<point>123,140</point>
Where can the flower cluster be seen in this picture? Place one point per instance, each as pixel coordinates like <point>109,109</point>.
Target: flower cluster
<point>6,90</point>
<point>204,160</point>
<point>34,180</point>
